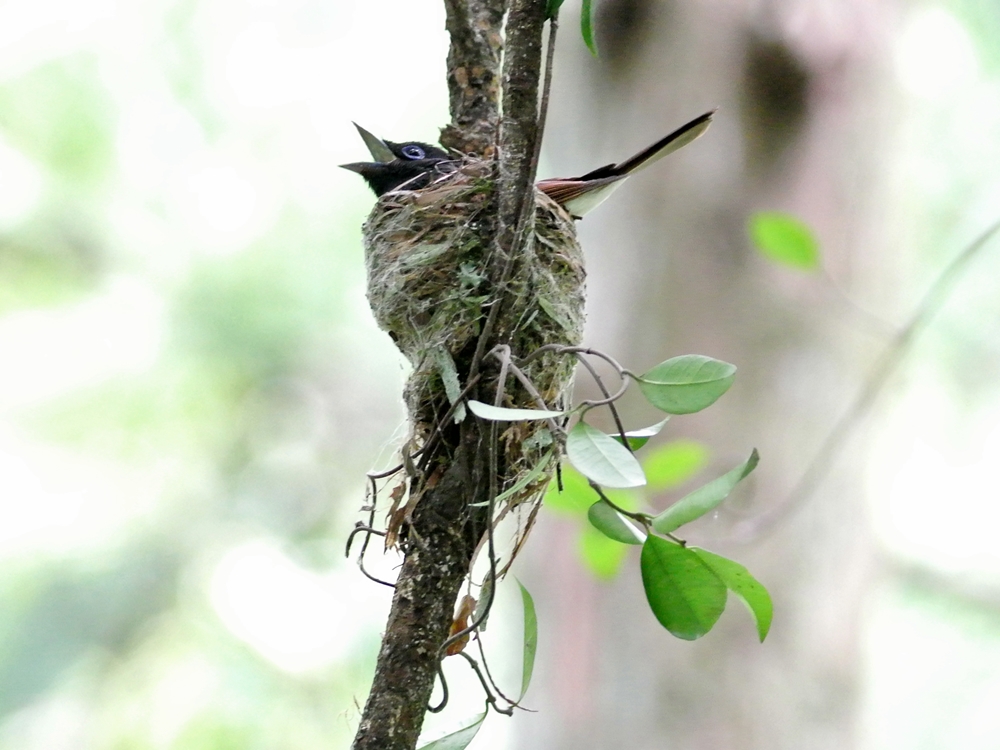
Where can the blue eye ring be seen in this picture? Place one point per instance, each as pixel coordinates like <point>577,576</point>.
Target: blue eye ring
<point>412,151</point>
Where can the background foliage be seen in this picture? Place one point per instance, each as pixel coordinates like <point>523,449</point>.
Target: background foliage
<point>191,386</point>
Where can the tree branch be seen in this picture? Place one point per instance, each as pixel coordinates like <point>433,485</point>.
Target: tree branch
<point>519,126</point>
<point>422,608</point>
<point>450,517</point>
<point>473,75</point>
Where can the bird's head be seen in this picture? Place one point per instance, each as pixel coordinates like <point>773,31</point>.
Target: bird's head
<point>410,166</point>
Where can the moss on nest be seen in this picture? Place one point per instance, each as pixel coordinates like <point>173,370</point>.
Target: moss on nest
<point>430,284</point>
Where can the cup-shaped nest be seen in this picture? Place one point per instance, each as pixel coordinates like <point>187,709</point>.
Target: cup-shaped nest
<point>432,269</point>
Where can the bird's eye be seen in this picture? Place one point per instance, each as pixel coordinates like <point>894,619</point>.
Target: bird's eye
<point>413,152</point>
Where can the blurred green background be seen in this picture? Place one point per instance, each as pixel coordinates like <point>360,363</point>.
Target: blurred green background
<point>192,387</point>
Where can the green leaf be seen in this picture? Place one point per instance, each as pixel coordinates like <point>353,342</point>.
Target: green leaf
<point>587,26</point>
<point>600,458</point>
<point>520,484</point>
<point>552,9</point>
<point>458,740</point>
<point>684,385</point>
<point>449,377</point>
<point>503,414</point>
<point>609,522</point>
<point>638,438</point>
<point>576,497</point>
<point>745,586</point>
<point>784,239</point>
<point>684,593</point>
<point>530,639</point>
<point>602,556</point>
<point>705,498</point>
<point>673,464</point>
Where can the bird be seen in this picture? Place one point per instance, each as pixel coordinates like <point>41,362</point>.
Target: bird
<point>414,165</point>
<point>401,166</point>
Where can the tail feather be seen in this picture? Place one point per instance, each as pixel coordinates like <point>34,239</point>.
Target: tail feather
<point>666,145</point>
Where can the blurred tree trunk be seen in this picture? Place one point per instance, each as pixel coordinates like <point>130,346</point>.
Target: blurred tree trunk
<point>801,92</point>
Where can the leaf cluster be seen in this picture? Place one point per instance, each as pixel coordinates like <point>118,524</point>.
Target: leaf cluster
<point>686,587</point>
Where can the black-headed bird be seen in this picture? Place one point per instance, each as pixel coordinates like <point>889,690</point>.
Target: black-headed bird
<point>414,165</point>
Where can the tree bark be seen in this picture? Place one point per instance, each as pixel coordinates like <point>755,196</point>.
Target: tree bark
<point>519,128</point>
<point>422,607</point>
<point>473,75</point>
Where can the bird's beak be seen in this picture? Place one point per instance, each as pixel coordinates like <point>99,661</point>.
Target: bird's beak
<point>359,166</point>
<point>379,151</point>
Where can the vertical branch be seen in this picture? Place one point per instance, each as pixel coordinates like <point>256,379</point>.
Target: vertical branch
<point>519,125</point>
<point>518,157</point>
<point>444,529</point>
<point>422,605</point>
<point>473,74</point>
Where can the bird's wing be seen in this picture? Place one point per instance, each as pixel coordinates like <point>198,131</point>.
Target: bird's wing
<point>580,196</point>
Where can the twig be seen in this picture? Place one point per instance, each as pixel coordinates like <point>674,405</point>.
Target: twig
<point>360,528</point>
<point>369,528</point>
<point>491,548</point>
<point>884,367</point>
<point>502,352</point>
<point>561,349</point>
<point>543,107</point>
<point>608,399</point>
<point>644,518</point>
<point>874,323</point>
<point>490,698</point>
<point>516,213</point>
<point>444,690</point>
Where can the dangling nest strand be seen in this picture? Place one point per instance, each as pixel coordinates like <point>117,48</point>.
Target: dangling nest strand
<point>431,270</point>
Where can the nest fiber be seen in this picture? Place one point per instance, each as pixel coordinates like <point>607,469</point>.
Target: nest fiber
<point>432,271</point>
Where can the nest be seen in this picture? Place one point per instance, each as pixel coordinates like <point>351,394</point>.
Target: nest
<point>431,274</point>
